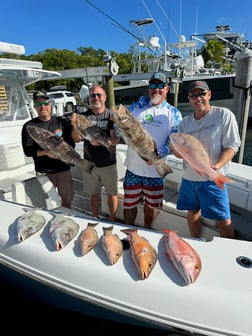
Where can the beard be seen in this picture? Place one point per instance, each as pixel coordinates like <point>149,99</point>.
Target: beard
<point>97,105</point>
<point>155,99</point>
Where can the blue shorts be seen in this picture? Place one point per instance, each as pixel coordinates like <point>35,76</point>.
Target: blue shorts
<point>205,196</point>
<point>138,188</point>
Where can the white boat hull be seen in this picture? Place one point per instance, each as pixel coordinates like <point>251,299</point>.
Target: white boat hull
<point>218,303</point>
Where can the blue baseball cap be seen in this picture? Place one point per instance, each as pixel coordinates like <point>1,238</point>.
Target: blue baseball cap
<point>158,76</point>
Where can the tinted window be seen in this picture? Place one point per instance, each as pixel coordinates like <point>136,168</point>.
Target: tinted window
<point>56,95</point>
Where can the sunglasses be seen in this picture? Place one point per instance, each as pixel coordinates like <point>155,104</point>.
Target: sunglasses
<point>39,104</point>
<point>93,95</point>
<point>153,86</point>
<point>196,95</point>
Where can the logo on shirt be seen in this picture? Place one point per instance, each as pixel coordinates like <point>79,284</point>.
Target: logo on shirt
<point>148,118</point>
<point>58,132</point>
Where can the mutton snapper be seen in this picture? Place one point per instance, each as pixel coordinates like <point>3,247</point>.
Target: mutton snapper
<point>194,153</point>
<point>58,147</point>
<point>111,244</point>
<point>183,256</point>
<point>88,238</point>
<point>143,253</point>
<point>29,223</point>
<point>92,132</point>
<point>62,230</point>
<point>139,139</point>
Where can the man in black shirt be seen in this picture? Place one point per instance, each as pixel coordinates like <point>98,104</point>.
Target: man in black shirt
<point>104,172</point>
<point>58,172</point>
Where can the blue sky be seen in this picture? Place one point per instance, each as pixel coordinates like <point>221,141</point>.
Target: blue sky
<point>62,24</point>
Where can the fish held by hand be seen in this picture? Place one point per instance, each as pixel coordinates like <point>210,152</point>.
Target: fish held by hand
<point>60,149</point>
<point>139,139</point>
<point>92,132</point>
<point>143,253</point>
<point>194,153</point>
<point>183,256</point>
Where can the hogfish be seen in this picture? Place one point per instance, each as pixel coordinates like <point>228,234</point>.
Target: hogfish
<point>139,139</point>
<point>92,132</point>
<point>88,238</point>
<point>62,230</point>
<point>111,244</point>
<point>29,223</point>
<point>183,256</point>
<point>143,253</point>
<point>58,147</point>
<point>194,153</point>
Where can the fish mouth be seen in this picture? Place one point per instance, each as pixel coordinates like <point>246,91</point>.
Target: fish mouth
<point>187,276</point>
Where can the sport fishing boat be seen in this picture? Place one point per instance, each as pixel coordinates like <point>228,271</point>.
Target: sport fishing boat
<point>89,284</point>
<point>182,63</point>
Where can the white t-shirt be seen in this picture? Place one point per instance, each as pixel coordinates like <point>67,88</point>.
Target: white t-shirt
<point>159,121</point>
<point>217,130</point>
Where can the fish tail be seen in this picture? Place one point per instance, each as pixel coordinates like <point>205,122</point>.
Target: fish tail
<point>109,228</point>
<point>220,179</point>
<point>128,231</point>
<point>168,230</point>
<point>163,168</point>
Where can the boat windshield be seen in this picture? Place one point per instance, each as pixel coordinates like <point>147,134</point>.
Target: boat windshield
<point>15,103</point>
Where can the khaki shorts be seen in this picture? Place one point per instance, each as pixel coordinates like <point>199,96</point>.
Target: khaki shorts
<point>101,177</point>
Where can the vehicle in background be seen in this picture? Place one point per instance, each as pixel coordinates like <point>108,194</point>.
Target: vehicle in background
<point>64,101</point>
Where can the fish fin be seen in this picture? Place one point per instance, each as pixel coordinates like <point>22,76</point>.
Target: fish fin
<point>220,179</point>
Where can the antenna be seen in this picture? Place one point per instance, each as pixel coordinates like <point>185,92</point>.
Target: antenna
<point>117,24</point>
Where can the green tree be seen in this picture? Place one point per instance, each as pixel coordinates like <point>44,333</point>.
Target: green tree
<point>213,52</point>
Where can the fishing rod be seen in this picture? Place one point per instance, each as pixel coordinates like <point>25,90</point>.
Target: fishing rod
<point>119,26</point>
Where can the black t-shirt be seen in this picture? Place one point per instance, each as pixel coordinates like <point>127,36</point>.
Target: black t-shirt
<point>44,164</point>
<point>100,155</point>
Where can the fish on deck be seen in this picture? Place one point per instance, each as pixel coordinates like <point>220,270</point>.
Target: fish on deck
<point>29,223</point>
<point>194,153</point>
<point>62,230</point>
<point>92,132</point>
<point>88,238</point>
<point>111,244</point>
<point>182,255</point>
<point>143,253</point>
<point>139,139</point>
<point>58,147</point>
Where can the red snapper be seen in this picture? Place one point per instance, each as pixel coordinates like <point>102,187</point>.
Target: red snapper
<point>194,153</point>
<point>183,256</point>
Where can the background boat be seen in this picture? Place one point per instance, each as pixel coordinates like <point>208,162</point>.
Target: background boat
<point>36,260</point>
<point>183,63</point>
